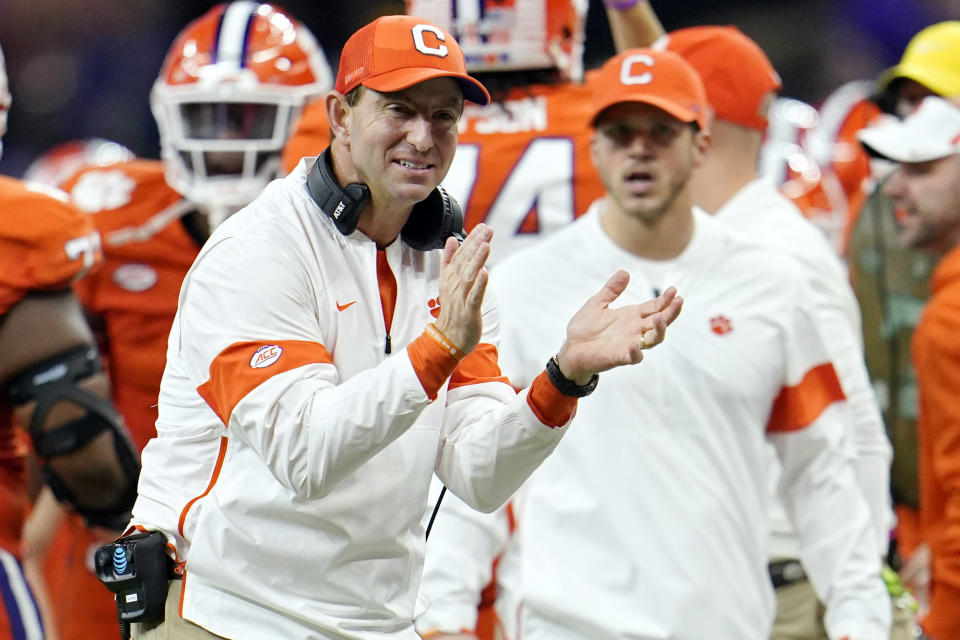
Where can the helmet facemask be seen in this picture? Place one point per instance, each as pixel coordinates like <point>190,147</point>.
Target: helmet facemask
<point>220,148</point>
<point>224,108</point>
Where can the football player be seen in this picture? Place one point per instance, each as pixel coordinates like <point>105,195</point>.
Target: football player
<point>51,383</point>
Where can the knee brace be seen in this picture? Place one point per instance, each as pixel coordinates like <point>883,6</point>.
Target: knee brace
<point>52,381</point>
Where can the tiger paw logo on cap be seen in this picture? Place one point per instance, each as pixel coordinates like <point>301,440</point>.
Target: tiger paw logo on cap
<point>266,356</point>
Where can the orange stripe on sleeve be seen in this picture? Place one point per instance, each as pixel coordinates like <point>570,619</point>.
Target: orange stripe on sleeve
<point>243,366</point>
<point>431,362</point>
<point>213,480</point>
<point>798,406</point>
<point>480,365</point>
<point>550,406</point>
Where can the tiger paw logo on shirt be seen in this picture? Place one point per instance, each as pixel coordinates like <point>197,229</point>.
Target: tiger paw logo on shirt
<point>721,325</point>
<point>266,356</point>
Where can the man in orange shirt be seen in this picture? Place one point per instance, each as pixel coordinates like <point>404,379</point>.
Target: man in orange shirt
<point>891,281</point>
<point>930,65</point>
<point>230,88</point>
<point>926,188</point>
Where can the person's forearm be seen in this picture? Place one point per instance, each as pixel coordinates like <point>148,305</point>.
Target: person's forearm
<point>867,434</point>
<point>493,440</point>
<point>633,23</point>
<point>826,505</point>
<point>313,430</point>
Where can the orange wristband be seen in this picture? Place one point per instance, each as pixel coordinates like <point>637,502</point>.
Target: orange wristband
<point>432,362</point>
<point>445,342</point>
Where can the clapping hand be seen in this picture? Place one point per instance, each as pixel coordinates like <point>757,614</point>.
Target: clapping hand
<point>600,338</point>
<point>463,281</point>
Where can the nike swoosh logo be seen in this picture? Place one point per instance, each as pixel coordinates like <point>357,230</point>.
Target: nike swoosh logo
<point>341,307</point>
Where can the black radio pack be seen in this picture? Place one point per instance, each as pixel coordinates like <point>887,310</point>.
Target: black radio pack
<point>136,569</point>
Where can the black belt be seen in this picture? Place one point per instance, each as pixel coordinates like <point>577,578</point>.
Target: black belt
<point>784,573</point>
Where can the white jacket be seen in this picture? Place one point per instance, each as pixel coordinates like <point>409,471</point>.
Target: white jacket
<point>294,456</point>
<point>650,519</point>
<point>763,214</point>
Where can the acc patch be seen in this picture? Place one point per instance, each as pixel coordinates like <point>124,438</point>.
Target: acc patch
<point>135,277</point>
<point>266,356</point>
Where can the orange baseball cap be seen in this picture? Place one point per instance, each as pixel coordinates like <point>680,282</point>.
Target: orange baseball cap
<point>735,70</point>
<point>396,52</point>
<point>659,78</point>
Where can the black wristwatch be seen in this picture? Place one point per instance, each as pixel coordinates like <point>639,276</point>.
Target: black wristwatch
<point>565,385</point>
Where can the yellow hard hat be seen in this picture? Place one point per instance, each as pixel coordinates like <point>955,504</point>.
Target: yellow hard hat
<point>932,58</point>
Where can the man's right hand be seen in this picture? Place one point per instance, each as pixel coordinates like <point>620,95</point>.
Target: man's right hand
<point>600,338</point>
<point>463,281</point>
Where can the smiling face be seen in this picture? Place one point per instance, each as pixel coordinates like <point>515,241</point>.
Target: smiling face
<point>927,196</point>
<point>645,158</point>
<point>401,144</point>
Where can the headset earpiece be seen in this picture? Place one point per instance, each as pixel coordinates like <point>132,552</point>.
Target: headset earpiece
<point>431,222</point>
<point>342,204</point>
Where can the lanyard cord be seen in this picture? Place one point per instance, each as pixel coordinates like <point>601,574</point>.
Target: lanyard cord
<point>433,516</point>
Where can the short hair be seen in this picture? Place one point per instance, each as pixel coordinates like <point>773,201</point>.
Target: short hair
<point>352,98</point>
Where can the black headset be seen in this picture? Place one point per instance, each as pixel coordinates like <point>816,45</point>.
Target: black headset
<point>431,222</point>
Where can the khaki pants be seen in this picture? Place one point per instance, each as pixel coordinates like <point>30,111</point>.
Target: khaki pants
<point>800,616</point>
<point>173,626</point>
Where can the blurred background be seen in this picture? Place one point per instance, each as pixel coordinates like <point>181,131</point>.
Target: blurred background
<point>83,68</point>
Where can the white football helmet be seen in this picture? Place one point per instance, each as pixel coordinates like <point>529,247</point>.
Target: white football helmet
<point>230,90</point>
<point>4,99</point>
<point>512,35</point>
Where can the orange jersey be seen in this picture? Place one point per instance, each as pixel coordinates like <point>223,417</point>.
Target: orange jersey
<point>522,165</point>
<point>147,252</point>
<point>45,244</point>
<point>936,357</point>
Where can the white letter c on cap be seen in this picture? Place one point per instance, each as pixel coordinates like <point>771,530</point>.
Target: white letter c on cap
<point>422,47</point>
<point>626,69</point>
